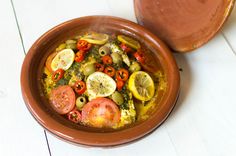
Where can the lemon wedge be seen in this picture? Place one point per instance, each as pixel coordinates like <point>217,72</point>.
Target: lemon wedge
<point>141,85</point>
<point>129,41</point>
<point>63,59</point>
<point>96,38</point>
<point>100,85</point>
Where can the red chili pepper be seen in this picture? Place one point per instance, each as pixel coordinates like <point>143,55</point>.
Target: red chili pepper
<point>83,45</point>
<point>99,67</point>
<point>58,74</point>
<point>80,87</point>
<point>122,74</point>
<point>79,56</point>
<point>119,85</point>
<point>125,48</point>
<point>107,59</point>
<point>139,56</point>
<point>110,71</point>
<point>74,116</point>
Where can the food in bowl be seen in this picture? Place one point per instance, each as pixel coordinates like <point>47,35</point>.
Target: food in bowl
<point>100,80</point>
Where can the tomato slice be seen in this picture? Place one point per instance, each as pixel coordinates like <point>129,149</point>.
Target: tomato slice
<point>74,116</point>
<point>110,71</point>
<point>62,99</point>
<point>122,74</point>
<point>83,45</point>
<point>100,112</point>
<point>107,59</point>
<point>119,85</point>
<point>99,67</point>
<point>58,74</point>
<point>79,56</point>
<point>49,61</point>
<point>80,87</point>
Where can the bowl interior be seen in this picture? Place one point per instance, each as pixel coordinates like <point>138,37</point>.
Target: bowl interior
<point>159,59</point>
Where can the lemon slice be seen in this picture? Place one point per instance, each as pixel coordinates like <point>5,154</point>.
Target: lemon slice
<point>95,38</point>
<point>100,85</point>
<point>129,41</point>
<point>141,85</point>
<point>63,59</point>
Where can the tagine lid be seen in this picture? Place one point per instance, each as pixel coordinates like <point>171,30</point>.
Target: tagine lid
<point>183,25</point>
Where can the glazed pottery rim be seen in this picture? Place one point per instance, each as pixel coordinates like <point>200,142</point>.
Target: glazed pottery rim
<point>97,138</point>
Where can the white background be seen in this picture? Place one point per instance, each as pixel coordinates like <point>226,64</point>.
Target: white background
<point>203,122</point>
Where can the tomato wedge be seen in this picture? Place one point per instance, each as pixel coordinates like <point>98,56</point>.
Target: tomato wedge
<point>74,116</point>
<point>58,74</point>
<point>122,74</point>
<point>62,99</point>
<point>80,87</point>
<point>110,71</point>
<point>83,45</point>
<point>101,112</point>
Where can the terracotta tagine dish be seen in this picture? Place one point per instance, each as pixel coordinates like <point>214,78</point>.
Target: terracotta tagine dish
<point>183,25</point>
<point>102,80</point>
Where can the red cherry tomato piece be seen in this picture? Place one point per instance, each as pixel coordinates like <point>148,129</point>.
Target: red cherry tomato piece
<point>122,74</point>
<point>119,85</point>
<point>79,56</point>
<point>101,112</point>
<point>58,74</point>
<point>83,45</point>
<point>110,71</point>
<point>79,87</point>
<point>107,59</point>
<point>62,99</point>
<point>139,56</point>
<point>74,116</point>
<point>99,67</point>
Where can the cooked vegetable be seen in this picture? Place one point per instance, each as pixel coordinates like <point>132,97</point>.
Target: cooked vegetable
<point>122,74</point>
<point>116,58</point>
<point>139,57</point>
<point>58,74</point>
<point>117,98</point>
<point>89,69</point>
<point>61,47</point>
<point>125,48</point>
<point>80,87</point>
<point>129,41</point>
<point>62,99</point>
<point>63,60</point>
<point>107,59</point>
<point>104,50</point>
<point>74,116</point>
<point>119,85</point>
<point>134,67</point>
<point>99,67</point>
<point>101,112</point>
<point>83,45</point>
<point>116,49</point>
<point>79,56</point>
<point>110,71</point>
<point>80,102</point>
<point>49,61</point>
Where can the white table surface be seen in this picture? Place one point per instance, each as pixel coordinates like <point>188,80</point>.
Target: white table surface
<point>203,122</point>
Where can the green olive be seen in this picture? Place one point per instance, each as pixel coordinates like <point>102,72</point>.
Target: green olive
<point>104,50</point>
<point>116,58</point>
<point>71,46</point>
<point>80,102</point>
<point>61,47</point>
<point>134,67</point>
<point>89,69</point>
<point>117,98</point>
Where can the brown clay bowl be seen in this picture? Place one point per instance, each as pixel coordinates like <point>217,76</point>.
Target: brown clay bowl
<point>37,104</point>
<point>183,25</point>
